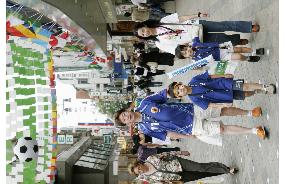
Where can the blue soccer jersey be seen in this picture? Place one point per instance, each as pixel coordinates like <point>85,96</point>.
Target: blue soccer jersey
<point>158,117</point>
<point>221,90</point>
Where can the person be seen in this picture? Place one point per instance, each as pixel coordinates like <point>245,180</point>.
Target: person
<point>146,72</point>
<point>142,139</point>
<point>139,15</point>
<point>173,30</point>
<point>148,91</point>
<point>139,46</point>
<point>217,93</point>
<point>145,147</point>
<point>143,151</point>
<point>147,3</point>
<point>224,51</point>
<point>156,57</point>
<point>146,83</point>
<point>170,167</point>
<point>158,119</point>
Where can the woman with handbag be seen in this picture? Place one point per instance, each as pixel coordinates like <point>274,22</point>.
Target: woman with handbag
<point>173,30</point>
<point>169,167</point>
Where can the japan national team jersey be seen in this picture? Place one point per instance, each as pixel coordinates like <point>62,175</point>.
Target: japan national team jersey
<point>158,117</point>
<point>222,90</point>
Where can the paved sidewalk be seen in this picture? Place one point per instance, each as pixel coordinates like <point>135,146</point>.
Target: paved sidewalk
<point>257,160</point>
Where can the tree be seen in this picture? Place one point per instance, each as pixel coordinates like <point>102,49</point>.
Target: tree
<point>108,107</point>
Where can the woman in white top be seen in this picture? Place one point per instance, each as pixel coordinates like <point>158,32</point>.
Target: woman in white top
<point>173,30</point>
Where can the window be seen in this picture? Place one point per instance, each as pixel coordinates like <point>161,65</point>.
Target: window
<point>82,81</point>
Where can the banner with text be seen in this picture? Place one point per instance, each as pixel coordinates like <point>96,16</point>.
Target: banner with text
<point>191,66</point>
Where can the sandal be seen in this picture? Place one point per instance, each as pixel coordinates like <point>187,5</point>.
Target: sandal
<point>261,132</point>
<point>255,28</point>
<point>257,112</point>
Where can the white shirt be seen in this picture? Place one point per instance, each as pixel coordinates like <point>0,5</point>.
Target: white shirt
<point>169,42</point>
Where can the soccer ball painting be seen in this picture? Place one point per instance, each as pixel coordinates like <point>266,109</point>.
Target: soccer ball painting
<point>26,149</point>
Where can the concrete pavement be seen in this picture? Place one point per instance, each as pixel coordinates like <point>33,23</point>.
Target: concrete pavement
<point>257,160</point>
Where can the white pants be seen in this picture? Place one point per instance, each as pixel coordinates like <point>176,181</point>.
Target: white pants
<point>204,128</point>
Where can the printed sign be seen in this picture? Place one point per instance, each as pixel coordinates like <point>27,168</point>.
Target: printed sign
<point>107,139</point>
<point>65,139</point>
<point>61,139</point>
<point>69,139</point>
<point>221,67</point>
<point>191,66</point>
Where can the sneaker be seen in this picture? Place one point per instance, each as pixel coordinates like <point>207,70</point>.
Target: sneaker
<point>260,51</point>
<point>234,170</point>
<point>253,59</point>
<point>255,28</point>
<point>257,112</point>
<point>270,89</point>
<point>261,132</point>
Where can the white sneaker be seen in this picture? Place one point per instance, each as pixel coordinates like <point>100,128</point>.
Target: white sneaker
<point>270,89</point>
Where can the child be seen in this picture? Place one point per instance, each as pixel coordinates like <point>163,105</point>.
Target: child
<point>224,51</point>
<point>209,91</point>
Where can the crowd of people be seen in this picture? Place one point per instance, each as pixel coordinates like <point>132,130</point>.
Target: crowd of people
<point>161,122</point>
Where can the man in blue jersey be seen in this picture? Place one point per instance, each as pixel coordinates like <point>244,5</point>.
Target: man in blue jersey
<point>158,119</point>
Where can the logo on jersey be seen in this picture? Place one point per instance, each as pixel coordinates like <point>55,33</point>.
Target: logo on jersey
<point>155,110</point>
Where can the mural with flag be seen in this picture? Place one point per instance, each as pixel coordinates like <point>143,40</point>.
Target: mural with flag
<point>31,108</point>
<point>41,30</point>
<point>33,43</point>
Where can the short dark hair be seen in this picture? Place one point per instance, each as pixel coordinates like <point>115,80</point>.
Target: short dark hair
<point>171,89</point>
<point>178,50</point>
<point>127,14</point>
<point>117,121</point>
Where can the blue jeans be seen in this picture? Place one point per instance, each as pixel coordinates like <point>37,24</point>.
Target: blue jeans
<point>222,26</point>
